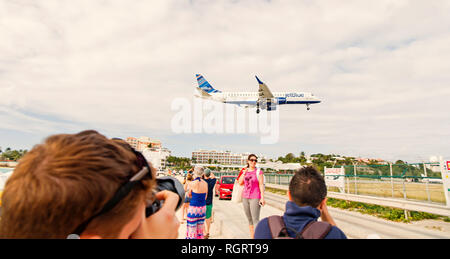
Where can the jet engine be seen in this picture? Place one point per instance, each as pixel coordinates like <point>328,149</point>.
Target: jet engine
<point>268,104</point>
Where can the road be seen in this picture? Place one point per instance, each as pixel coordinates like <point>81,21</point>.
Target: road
<point>354,224</point>
<point>231,222</point>
<point>358,225</point>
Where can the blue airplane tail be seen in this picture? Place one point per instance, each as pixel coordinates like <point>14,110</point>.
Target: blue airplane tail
<point>204,85</point>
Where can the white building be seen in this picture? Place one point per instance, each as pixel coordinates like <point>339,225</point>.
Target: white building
<point>142,143</point>
<point>157,156</point>
<point>221,157</point>
<point>280,166</point>
<point>151,149</point>
<point>435,166</point>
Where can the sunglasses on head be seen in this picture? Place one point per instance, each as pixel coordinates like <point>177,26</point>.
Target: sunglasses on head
<point>124,190</point>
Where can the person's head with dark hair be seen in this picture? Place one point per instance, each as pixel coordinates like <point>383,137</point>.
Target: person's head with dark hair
<point>307,203</point>
<point>307,187</point>
<point>252,156</point>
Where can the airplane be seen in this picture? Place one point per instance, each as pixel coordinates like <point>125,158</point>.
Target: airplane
<point>263,99</point>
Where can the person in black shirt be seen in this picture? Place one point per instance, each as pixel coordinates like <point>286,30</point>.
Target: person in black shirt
<point>211,180</point>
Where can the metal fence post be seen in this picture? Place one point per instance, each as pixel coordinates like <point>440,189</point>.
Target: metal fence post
<point>348,184</point>
<point>356,184</point>
<point>392,180</point>
<point>426,183</point>
<point>404,186</point>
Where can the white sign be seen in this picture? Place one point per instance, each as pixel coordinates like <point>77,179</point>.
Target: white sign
<point>335,177</point>
<point>445,173</point>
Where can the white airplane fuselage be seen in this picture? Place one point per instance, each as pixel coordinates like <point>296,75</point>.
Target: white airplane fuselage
<point>249,99</point>
<point>262,99</point>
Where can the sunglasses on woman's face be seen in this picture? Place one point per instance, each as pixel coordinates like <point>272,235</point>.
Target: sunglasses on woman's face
<point>253,160</point>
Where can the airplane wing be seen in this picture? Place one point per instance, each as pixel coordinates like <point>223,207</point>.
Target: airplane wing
<point>247,105</point>
<point>264,91</point>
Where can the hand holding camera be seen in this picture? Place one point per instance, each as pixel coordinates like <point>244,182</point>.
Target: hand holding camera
<point>163,224</point>
<point>159,220</point>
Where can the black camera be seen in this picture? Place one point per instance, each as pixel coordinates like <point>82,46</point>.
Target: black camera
<point>170,184</point>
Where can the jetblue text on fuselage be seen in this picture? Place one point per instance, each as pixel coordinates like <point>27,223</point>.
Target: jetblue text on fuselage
<point>294,95</point>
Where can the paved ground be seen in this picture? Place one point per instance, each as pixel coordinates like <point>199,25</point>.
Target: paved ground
<point>215,232</point>
<point>230,222</point>
<point>358,225</point>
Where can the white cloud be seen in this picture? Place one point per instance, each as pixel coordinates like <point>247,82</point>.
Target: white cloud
<point>116,66</point>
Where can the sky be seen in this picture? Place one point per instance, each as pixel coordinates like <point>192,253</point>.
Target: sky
<point>381,69</point>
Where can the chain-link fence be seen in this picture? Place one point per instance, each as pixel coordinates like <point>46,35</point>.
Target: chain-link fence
<point>280,179</point>
<point>418,181</point>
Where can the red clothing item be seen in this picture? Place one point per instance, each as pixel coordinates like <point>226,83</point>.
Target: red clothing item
<point>240,173</point>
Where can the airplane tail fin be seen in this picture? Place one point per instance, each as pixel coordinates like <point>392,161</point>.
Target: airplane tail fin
<point>203,94</point>
<point>259,81</point>
<point>204,85</point>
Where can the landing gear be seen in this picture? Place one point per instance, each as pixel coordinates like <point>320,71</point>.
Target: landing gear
<point>257,110</point>
<point>307,107</point>
<point>257,107</point>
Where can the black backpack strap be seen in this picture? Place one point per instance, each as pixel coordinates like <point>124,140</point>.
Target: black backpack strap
<point>315,230</point>
<point>277,226</point>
